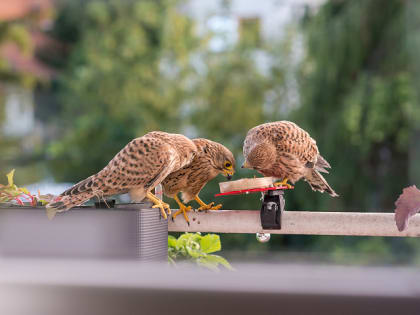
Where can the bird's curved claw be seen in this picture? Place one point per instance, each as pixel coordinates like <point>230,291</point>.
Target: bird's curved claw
<point>209,207</point>
<point>183,210</point>
<point>162,205</point>
<point>158,203</point>
<point>283,183</point>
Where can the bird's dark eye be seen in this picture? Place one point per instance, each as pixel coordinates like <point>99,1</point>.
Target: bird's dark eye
<point>228,164</point>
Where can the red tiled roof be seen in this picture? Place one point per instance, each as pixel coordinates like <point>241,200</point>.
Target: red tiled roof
<point>16,9</point>
<point>28,63</point>
<point>21,63</point>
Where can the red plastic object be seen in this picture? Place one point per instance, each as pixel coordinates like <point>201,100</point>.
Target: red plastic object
<point>253,190</point>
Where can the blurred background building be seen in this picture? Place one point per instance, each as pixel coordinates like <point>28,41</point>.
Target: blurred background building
<point>79,79</point>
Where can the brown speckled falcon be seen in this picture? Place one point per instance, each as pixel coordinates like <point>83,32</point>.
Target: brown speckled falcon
<point>140,166</point>
<point>211,159</point>
<point>285,151</point>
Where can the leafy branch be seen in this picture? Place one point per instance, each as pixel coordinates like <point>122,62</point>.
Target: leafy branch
<point>13,194</point>
<point>197,248</point>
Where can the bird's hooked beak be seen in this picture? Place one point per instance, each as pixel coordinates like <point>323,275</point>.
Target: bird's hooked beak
<point>228,173</point>
<point>245,165</point>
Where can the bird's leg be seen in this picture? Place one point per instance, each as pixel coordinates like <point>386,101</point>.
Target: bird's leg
<point>182,209</point>
<point>205,206</point>
<point>283,183</point>
<point>159,204</point>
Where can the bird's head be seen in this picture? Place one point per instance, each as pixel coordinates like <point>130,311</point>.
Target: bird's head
<point>220,157</point>
<point>261,156</point>
<point>225,162</point>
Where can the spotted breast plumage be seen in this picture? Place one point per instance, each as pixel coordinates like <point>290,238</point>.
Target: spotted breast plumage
<point>140,166</point>
<point>211,159</point>
<point>285,151</point>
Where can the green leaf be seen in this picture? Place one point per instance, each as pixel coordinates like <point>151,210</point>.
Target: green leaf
<point>219,260</point>
<point>193,250</point>
<point>171,241</point>
<point>203,262</point>
<point>194,247</point>
<point>10,177</point>
<point>184,238</point>
<point>24,190</point>
<point>210,243</point>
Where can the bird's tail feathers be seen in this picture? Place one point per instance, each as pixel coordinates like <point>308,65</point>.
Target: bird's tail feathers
<point>322,164</point>
<point>82,186</point>
<point>72,197</point>
<point>64,203</point>
<point>318,183</point>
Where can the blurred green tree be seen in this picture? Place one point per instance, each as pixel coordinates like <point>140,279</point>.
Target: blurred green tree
<point>358,101</point>
<point>15,33</point>
<point>127,75</point>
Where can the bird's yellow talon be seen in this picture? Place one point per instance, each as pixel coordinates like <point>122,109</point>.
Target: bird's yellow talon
<point>204,206</point>
<point>159,204</point>
<point>162,207</point>
<point>283,183</point>
<point>210,207</point>
<point>182,209</point>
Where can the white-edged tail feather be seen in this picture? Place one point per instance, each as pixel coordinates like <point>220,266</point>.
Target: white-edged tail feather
<point>318,183</point>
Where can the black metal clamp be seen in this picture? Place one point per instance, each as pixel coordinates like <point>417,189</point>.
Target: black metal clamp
<point>271,209</point>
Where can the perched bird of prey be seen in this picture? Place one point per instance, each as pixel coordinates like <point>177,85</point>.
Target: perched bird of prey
<point>285,151</point>
<point>211,159</point>
<point>140,166</point>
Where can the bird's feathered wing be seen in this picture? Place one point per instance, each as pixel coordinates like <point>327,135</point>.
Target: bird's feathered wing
<point>295,155</point>
<point>140,166</point>
<point>192,178</point>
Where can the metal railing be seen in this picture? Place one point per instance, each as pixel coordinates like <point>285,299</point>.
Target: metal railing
<point>296,222</point>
